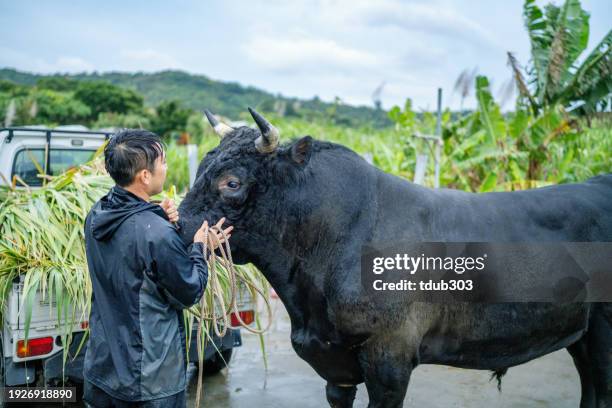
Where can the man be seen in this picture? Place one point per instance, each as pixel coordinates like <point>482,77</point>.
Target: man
<point>142,276</point>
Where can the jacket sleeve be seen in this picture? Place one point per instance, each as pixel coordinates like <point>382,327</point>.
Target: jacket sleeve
<point>181,273</point>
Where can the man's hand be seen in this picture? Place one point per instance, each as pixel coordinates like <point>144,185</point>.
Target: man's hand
<point>170,209</point>
<point>215,238</point>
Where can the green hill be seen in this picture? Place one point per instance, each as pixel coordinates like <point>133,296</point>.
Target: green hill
<point>226,98</point>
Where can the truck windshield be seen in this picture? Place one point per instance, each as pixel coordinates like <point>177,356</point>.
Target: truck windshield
<point>27,160</point>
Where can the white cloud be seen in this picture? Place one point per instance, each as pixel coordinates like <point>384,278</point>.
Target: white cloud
<point>72,64</point>
<point>422,58</point>
<point>300,48</point>
<point>414,45</point>
<point>306,54</point>
<point>63,64</point>
<point>432,18</point>
<point>147,60</point>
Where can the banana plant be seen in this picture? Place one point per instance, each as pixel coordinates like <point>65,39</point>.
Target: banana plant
<point>559,35</point>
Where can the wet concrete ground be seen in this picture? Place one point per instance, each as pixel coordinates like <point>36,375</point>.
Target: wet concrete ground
<point>550,381</point>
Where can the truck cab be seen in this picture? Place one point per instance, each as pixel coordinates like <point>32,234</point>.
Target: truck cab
<point>39,361</point>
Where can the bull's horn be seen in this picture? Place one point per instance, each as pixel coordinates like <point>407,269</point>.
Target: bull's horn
<point>268,141</point>
<point>220,128</point>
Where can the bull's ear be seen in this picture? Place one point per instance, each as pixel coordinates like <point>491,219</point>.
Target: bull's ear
<point>300,150</point>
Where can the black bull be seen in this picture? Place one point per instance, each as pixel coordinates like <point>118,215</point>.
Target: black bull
<point>301,213</point>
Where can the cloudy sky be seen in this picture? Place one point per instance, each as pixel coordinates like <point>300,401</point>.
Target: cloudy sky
<point>298,48</point>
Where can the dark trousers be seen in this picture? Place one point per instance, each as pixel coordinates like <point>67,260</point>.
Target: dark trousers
<point>95,397</point>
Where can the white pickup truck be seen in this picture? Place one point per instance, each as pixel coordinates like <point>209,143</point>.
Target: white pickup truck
<point>39,361</point>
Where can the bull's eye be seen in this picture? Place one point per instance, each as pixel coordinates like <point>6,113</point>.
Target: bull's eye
<point>233,184</point>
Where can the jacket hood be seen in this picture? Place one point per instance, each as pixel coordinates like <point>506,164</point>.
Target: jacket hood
<point>116,207</point>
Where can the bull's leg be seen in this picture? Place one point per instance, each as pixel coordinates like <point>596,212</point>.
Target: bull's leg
<point>386,372</point>
<point>340,396</point>
<point>579,353</point>
<point>593,358</point>
<point>599,346</point>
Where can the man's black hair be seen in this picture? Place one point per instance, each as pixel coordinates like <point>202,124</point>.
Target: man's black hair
<point>129,151</point>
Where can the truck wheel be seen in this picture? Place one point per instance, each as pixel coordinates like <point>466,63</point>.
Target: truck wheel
<point>218,362</point>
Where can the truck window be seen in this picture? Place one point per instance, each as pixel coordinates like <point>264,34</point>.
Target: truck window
<point>61,160</point>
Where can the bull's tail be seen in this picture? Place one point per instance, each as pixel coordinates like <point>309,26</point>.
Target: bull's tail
<point>498,374</point>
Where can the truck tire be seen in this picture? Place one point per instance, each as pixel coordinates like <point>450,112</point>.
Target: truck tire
<point>218,362</point>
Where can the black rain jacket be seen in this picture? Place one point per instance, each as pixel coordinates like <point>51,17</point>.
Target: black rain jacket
<point>142,276</point>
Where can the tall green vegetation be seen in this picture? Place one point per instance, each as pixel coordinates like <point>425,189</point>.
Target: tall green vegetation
<point>102,96</point>
<point>558,73</point>
<point>170,117</point>
<point>545,140</point>
<point>98,104</point>
<point>197,92</point>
